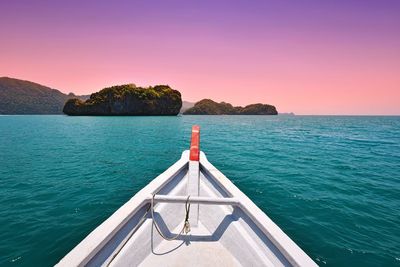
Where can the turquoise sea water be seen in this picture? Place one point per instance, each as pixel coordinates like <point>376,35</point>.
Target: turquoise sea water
<point>331,183</point>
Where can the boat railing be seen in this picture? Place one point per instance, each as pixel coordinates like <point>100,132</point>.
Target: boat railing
<point>194,200</point>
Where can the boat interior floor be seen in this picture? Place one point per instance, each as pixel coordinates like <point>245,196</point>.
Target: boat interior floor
<point>223,236</point>
<point>187,251</point>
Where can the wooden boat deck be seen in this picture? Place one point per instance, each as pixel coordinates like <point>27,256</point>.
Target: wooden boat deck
<point>187,252</point>
<point>223,237</point>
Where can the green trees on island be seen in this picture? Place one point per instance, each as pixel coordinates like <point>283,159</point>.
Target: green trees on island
<point>210,107</point>
<point>128,99</point>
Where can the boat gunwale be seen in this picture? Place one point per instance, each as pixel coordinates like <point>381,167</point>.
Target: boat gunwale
<point>291,251</point>
<point>82,253</point>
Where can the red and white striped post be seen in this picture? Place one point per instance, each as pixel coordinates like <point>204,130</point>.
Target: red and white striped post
<point>193,187</point>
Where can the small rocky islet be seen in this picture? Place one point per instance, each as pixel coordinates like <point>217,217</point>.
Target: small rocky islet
<point>210,107</point>
<point>128,100</point>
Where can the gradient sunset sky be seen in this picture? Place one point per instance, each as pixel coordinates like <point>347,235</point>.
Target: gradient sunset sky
<point>306,57</point>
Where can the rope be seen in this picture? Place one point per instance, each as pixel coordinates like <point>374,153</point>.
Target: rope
<point>186,224</point>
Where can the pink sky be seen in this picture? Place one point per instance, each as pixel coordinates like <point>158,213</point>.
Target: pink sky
<point>315,58</point>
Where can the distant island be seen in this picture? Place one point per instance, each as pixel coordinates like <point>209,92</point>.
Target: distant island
<point>210,107</point>
<point>25,97</point>
<point>128,100</point>
<point>18,97</point>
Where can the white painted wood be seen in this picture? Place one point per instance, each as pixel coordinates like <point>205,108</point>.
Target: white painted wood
<point>228,222</point>
<point>200,254</point>
<point>193,190</point>
<point>92,244</point>
<point>295,255</point>
<point>194,200</point>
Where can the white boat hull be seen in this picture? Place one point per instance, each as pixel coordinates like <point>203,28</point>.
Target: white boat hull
<point>227,228</point>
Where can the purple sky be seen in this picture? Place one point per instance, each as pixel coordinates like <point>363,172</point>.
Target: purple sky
<point>309,57</point>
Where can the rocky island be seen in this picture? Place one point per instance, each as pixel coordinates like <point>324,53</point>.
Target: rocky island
<point>128,100</point>
<point>210,107</point>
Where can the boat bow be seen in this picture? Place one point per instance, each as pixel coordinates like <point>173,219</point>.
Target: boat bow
<point>226,227</point>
